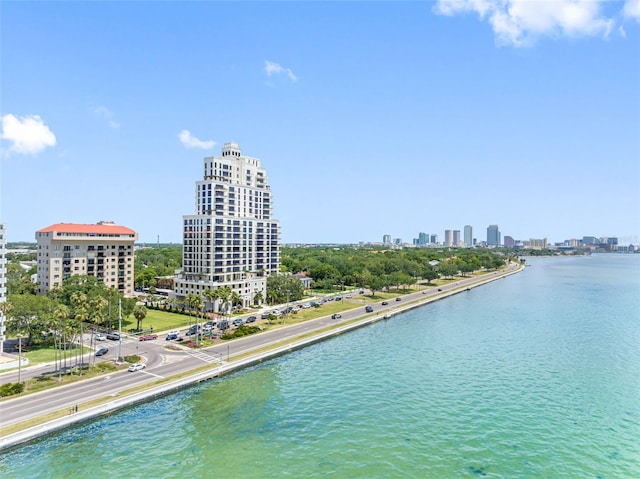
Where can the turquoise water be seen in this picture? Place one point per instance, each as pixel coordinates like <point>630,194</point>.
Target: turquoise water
<point>532,376</point>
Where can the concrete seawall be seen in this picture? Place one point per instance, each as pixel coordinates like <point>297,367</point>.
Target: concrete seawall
<point>74,418</point>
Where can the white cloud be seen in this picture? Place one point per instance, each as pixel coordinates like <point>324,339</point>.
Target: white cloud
<point>28,134</point>
<point>521,22</point>
<point>273,68</point>
<point>190,141</point>
<point>105,113</point>
<point>632,9</point>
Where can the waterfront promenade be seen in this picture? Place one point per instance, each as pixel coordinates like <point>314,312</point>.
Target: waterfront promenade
<point>177,370</point>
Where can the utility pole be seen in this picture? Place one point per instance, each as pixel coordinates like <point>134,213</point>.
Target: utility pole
<point>119,330</point>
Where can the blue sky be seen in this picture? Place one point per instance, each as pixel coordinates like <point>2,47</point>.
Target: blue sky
<point>371,118</point>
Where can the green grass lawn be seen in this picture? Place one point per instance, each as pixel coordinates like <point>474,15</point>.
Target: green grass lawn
<point>165,321</point>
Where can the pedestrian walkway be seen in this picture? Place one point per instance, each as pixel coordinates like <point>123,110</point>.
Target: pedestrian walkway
<point>206,357</point>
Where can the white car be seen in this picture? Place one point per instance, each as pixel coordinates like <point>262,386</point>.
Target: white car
<point>136,367</point>
<point>100,337</point>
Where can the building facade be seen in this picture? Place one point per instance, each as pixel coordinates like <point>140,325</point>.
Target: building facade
<point>103,250</point>
<point>232,239</point>
<point>468,236</point>
<point>448,238</point>
<point>3,281</point>
<point>493,235</point>
<point>456,238</point>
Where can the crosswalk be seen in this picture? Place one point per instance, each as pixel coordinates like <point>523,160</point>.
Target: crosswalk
<point>207,358</point>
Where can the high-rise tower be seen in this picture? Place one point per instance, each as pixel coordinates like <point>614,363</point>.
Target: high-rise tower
<point>231,240</point>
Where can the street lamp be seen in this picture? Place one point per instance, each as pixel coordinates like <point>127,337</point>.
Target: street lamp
<point>19,356</point>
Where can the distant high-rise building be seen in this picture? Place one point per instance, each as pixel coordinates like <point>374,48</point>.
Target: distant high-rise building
<point>433,239</point>
<point>590,240</point>
<point>448,238</point>
<point>386,240</point>
<point>456,238</point>
<point>231,240</point>
<point>537,243</point>
<point>509,242</point>
<point>397,241</point>
<point>3,281</point>
<point>493,235</point>
<point>103,250</point>
<point>468,236</point>
<point>423,239</point>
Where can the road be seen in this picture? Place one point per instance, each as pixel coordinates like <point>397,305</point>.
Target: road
<point>162,362</point>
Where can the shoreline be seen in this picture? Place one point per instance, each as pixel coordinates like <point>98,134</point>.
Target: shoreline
<point>244,360</point>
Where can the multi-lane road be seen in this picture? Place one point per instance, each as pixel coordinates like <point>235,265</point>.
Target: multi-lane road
<point>162,362</point>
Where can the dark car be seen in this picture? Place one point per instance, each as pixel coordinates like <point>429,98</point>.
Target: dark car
<point>384,303</point>
<point>171,336</point>
<point>102,351</point>
<point>439,289</point>
<point>224,324</point>
<point>369,309</point>
<point>398,299</point>
<point>113,336</point>
<point>251,319</point>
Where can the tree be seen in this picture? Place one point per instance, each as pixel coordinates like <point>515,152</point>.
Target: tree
<point>282,289</point>
<point>29,315</point>
<point>210,295</point>
<point>429,274</point>
<point>448,269</point>
<point>139,312</point>
<point>258,298</point>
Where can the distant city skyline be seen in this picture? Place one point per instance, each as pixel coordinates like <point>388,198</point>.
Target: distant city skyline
<point>449,118</point>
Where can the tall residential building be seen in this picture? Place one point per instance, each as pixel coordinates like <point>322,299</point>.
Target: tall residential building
<point>456,237</point>
<point>231,240</point>
<point>103,250</point>
<point>386,240</point>
<point>3,281</point>
<point>493,235</point>
<point>423,239</point>
<point>433,239</point>
<point>468,236</point>
<point>448,237</point>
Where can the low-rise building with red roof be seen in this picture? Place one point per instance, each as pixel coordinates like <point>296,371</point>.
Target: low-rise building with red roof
<point>103,250</point>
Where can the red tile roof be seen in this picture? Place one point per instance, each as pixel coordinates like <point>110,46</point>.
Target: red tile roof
<point>102,229</point>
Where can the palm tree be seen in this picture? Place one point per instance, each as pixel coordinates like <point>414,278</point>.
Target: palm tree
<point>80,303</point>
<point>5,308</point>
<point>224,293</point>
<point>60,316</point>
<point>236,299</point>
<point>139,312</point>
<point>210,295</point>
<point>258,298</point>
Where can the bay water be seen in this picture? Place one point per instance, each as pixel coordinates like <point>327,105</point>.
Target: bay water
<point>533,376</point>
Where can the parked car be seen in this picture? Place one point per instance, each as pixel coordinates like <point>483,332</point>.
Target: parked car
<point>224,324</point>
<point>136,367</point>
<point>148,337</point>
<point>113,336</point>
<point>369,309</point>
<point>338,298</point>
<point>102,351</point>
<point>384,303</point>
<point>251,319</point>
<point>336,316</point>
<point>264,315</point>
<point>211,324</point>
<point>100,337</point>
<point>171,336</point>
<point>238,322</point>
